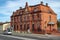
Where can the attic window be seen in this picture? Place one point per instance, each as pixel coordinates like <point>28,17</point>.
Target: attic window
<point>49,11</point>
<point>26,11</point>
<point>35,9</point>
<point>21,13</point>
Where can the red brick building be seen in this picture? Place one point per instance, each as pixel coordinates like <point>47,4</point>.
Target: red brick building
<point>36,18</point>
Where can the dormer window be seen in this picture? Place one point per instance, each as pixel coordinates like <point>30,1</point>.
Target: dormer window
<point>26,11</point>
<point>21,12</point>
<point>35,9</point>
<point>49,11</point>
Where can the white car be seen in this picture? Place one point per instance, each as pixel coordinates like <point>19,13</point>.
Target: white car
<point>7,32</point>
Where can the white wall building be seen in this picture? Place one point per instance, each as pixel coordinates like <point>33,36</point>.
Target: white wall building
<point>6,25</point>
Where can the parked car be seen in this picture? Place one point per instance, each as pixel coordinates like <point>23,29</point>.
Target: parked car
<point>7,32</point>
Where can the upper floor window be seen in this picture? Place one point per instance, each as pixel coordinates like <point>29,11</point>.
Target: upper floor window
<point>38,24</point>
<point>25,18</point>
<point>21,13</point>
<point>33,17</point>
<point>11,18</point>
<point>26,10</point>
<point>28,17</point>
<point>24,26</point>
<point>20,18</point>
<point>35,9</point>
<point>49,11</point>
<point>39,16</point>
<point>49,18</point>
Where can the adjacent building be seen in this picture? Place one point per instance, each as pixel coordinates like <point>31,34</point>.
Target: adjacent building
<point>6,25</point>
<point>35,19</point>
<point>1,26</point>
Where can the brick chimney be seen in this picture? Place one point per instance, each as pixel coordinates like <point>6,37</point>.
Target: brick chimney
<point>41,2</point>
<point>26,4</point>
<point>46,4</point>
<point>20,7</point>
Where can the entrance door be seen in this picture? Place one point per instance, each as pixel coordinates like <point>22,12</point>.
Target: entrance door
<point>39,29</point>
<point>49,25</point>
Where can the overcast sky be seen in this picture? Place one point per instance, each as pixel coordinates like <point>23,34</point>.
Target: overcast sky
<point>8,6</point>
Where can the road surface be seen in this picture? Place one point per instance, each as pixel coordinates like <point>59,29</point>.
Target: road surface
<point>14,37</point>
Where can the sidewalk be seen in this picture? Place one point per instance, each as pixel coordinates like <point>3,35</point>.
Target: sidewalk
<point>33,35</point>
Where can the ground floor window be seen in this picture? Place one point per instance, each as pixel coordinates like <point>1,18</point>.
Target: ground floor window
<point>20,27</point>
<point>38,26</point>
<point>32,27</point>
<point>14,27</point>
<point>39,29</point>
<point>17,27</point>
<point>24,26</point>
<point>27,26</point>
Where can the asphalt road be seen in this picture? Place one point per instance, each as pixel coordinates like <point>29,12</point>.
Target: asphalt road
<point>14,37</point>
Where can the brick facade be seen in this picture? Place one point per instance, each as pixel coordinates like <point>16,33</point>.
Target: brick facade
<point>37,18</point>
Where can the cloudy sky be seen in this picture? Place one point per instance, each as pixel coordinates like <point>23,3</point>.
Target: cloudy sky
<point>8,6</point>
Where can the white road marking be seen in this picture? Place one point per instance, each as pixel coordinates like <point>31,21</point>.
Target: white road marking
<point>17,37</point>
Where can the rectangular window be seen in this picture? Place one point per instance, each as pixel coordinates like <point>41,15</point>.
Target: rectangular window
<point>20,27</point>
<point>27,26</point>
<point>28,17</point>
<point>20,18</point>
<point>49,18</point>
<point>17,27</point>
<point>32,17</point>
<point>38,16</point>
<point>24,26</point>
<point>32,27</point>
<point>24,18</point>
